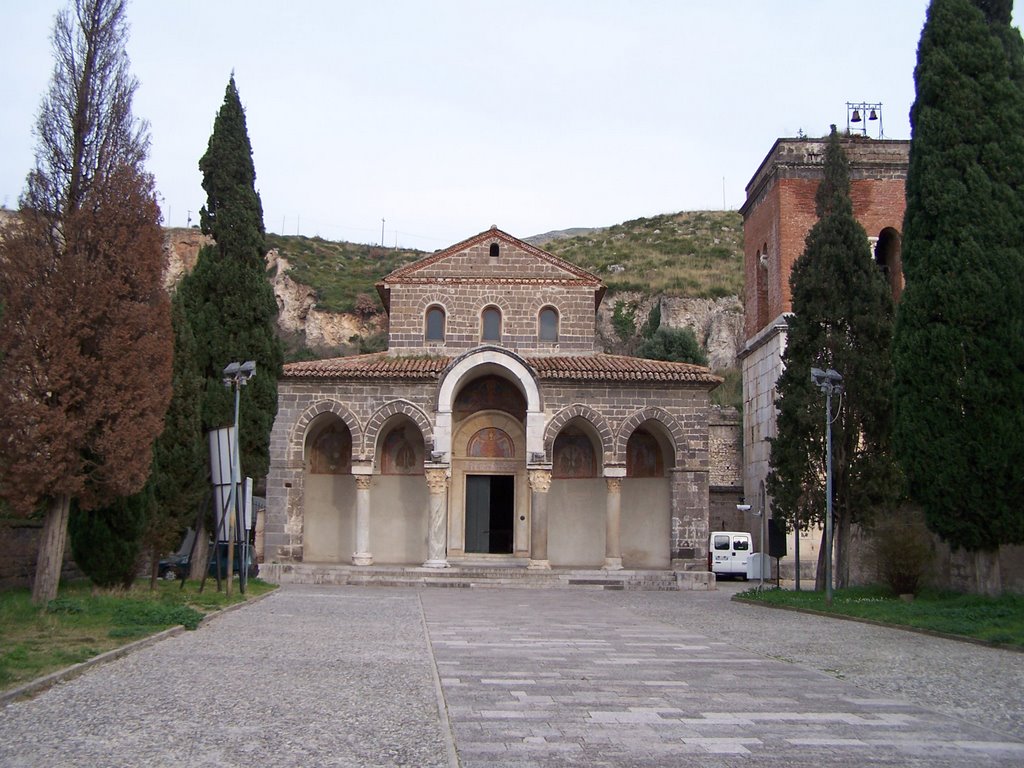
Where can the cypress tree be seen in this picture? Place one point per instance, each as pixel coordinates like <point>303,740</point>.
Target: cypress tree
<point>229,302</point>
<point>842,319</point>
<point>179,474</point>
<point>959,337</point>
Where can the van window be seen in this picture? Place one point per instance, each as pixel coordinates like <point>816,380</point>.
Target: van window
<point>740,544</point>
<point>721,542</point>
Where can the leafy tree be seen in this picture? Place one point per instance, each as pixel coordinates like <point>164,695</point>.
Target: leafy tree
<point>106,542</point>
<point>179,476</point>
<point>842,319</point>
<point>229,302</point>
<point>678,345</point>
<point>85,334</point>
<point>959,338</point>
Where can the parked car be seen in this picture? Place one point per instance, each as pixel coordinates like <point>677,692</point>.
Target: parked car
<point>177,566</point>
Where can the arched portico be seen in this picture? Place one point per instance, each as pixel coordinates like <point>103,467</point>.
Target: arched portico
<point>480,362</point>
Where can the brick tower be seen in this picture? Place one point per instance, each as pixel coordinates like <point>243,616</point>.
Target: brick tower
<point>778,212</point>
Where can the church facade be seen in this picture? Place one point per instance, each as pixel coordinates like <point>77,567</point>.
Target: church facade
<point>491,431</point>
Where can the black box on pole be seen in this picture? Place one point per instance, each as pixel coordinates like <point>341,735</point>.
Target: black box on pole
<point>776,539</point>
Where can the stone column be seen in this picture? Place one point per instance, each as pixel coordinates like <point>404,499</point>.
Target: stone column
<point>690,524</point>
<point>540,484</point>
<point>362,555</point>
<point>613,506</point>
<point>437,522</point>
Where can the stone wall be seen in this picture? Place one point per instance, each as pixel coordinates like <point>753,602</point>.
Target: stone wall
<point>520,305</point>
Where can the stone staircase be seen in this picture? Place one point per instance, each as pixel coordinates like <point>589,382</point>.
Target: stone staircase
<point>483,576</point>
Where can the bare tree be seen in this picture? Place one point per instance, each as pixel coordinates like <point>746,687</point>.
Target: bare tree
<point>85,335</point>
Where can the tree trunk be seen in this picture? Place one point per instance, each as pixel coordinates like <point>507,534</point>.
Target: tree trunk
<point>819,574</point>
<point>842,535</point>
<point>200,552</point>
<point>154,567</point>
<point>51,550</point>
<point>987,573</point>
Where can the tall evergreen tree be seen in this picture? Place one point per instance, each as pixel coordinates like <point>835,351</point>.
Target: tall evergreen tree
<point>179,476</point>
<point>842,319</point>
<point>85,336</point>
<point>229,302</point>
<point>959,338</point>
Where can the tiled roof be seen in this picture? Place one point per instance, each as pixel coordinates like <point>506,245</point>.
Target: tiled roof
<point>375,366</point>
<point>568,368</point>
<point>619,368</point>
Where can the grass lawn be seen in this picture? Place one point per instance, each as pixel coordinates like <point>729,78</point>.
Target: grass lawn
<point>82,623</point>
<point>994,620</point>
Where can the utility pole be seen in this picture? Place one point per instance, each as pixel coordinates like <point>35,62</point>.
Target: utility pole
<point>830,382</point>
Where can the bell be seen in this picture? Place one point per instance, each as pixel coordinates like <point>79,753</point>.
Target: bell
<point>873,115</point>
<point>856,116</point>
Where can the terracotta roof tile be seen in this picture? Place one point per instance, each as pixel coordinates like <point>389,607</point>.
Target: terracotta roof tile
<point>619,368</point>
<point>380,365</point>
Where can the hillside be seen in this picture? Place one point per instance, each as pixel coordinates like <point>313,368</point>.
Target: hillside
<point>690,264</point>
<point>695,254</point>
<point>692,254</point>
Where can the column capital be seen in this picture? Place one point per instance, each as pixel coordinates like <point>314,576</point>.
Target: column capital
<point>614,484</point>
<point>540,480</point>
<point>437,481</point>
<point>363,482</point>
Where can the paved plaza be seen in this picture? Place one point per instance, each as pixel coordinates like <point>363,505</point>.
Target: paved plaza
<point>371,676</point>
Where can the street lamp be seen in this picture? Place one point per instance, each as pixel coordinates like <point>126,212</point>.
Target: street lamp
<point>831,383</point>
<point>236,376</point>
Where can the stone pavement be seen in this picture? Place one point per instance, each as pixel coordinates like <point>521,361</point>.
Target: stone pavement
<point>329,676</point>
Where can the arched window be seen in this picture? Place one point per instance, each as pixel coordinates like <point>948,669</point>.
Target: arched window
<point>491,321</point>
<point>548,324</point>
<point>494,250</point>
<point>435,324</point>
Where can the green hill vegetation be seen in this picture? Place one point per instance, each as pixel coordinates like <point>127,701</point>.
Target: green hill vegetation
<point>695,254</point>
<point>339,272</point>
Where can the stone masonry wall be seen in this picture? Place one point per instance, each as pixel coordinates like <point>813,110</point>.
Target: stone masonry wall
<point>520,306</point>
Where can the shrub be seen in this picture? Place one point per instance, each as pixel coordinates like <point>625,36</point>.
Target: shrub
<point>904,551</point>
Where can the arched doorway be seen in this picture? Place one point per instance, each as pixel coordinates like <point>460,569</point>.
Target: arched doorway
<point>489,501</point>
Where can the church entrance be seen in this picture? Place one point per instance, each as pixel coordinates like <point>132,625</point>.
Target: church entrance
<point>490,514</point>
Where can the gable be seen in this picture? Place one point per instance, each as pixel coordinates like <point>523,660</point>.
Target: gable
<point>493,255</point>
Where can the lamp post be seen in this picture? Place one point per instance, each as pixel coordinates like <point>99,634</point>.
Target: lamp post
<point>236,376</point>
<point>830,382</point>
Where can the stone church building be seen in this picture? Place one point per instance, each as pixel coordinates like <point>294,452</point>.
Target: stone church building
<point>492,431</point>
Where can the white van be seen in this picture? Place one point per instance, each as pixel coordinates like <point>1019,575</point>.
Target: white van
<point>728,552</point>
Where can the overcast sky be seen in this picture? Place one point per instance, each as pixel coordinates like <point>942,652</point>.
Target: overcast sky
<point>443,117</point>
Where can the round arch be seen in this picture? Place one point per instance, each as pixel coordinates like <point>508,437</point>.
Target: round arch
<point>673,431</point>
<point>297,435</point>
<point>384,413</point>
<point>597,421</point>
<point>478,362</point>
